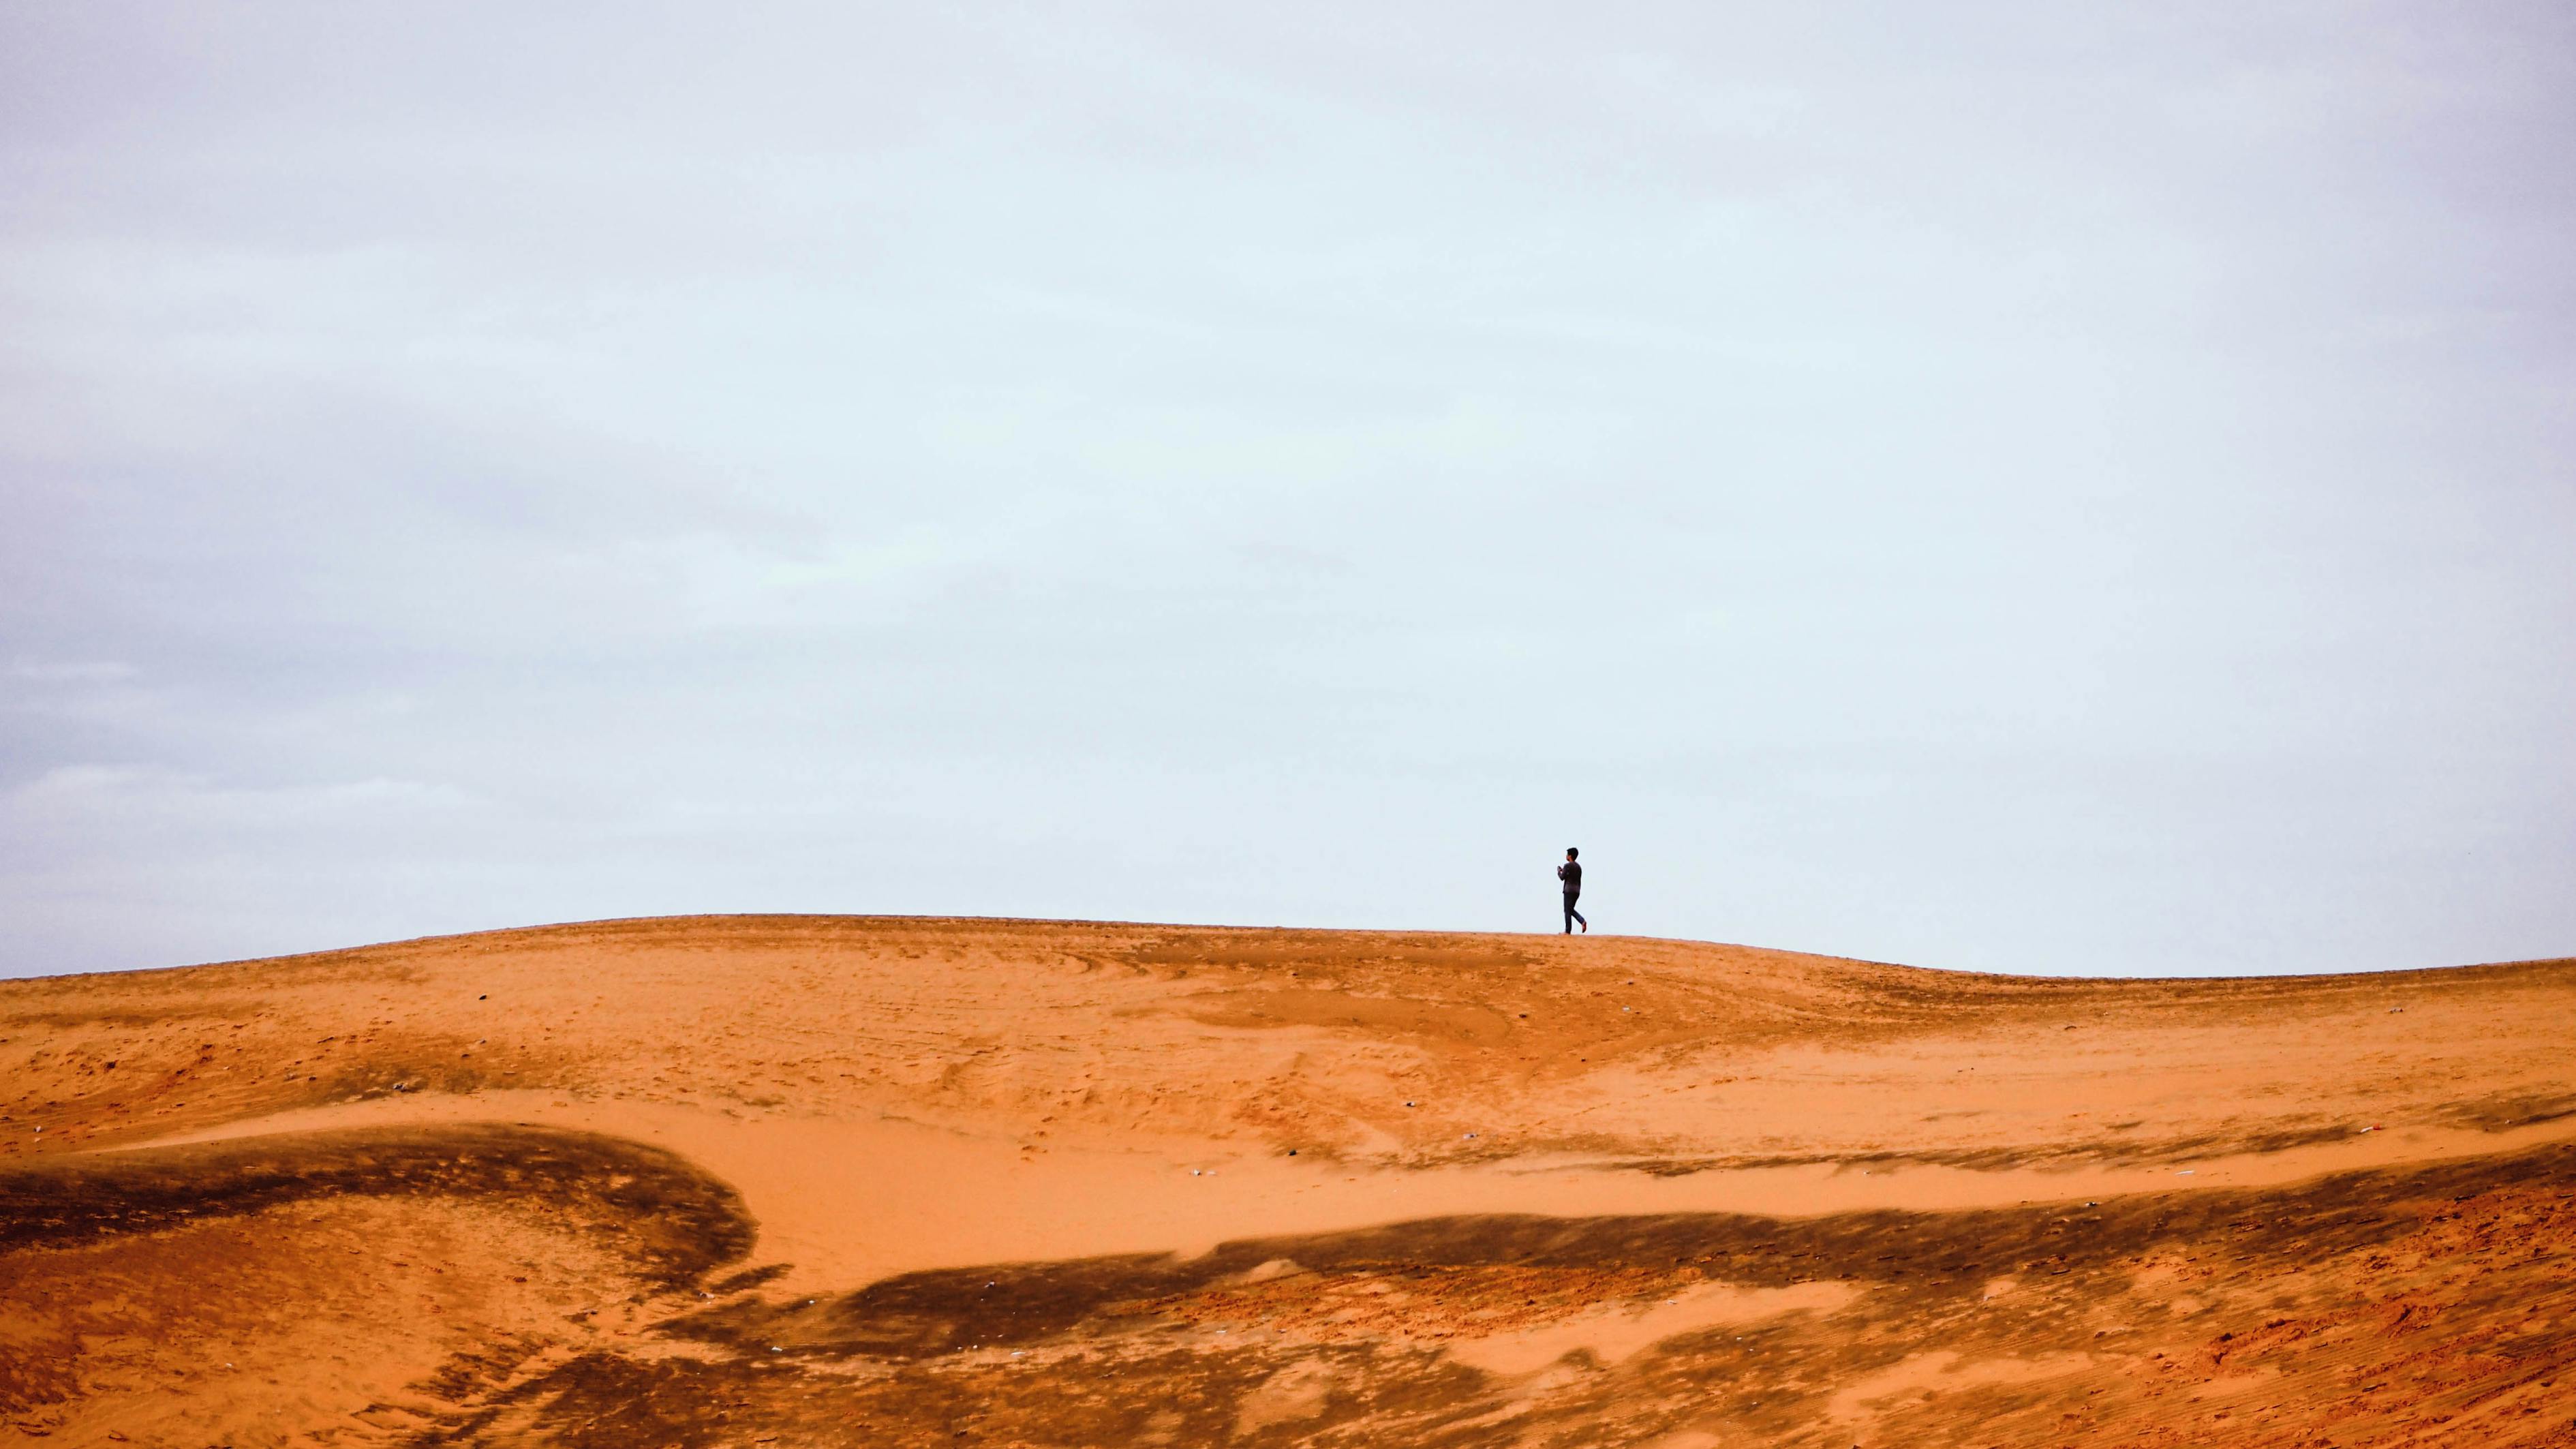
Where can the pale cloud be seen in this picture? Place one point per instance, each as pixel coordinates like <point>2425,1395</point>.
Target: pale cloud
<point>2006,487</point>
<point>95,671</point>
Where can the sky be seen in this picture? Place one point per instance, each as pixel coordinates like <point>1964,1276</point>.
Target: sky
<point>2036,488</point>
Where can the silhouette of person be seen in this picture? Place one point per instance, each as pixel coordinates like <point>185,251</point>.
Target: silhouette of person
<point>1572,874</point>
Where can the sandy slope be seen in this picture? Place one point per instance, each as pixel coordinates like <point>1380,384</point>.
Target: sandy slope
<point>865,1181</point>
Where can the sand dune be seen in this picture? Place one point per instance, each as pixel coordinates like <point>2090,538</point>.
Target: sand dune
<point>730,1181</point>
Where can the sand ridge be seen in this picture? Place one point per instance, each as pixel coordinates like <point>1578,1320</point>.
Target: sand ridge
<point>1104,1121</point>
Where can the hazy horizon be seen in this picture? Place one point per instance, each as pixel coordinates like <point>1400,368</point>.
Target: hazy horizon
<point>2010,489</point>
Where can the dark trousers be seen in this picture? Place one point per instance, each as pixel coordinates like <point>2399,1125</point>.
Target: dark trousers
<point>1572,915</point>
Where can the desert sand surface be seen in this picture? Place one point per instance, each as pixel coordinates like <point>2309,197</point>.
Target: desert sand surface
<point>870,1181</point>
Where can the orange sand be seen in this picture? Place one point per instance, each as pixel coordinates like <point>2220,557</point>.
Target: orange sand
<point>1274,1186</point>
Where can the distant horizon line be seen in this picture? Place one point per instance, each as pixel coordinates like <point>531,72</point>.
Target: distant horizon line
<point>1103,922</point>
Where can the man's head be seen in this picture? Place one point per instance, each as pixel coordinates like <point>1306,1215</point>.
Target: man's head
<point>1571,852</point>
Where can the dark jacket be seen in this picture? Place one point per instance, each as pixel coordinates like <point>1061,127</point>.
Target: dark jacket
<point>1572,874</point>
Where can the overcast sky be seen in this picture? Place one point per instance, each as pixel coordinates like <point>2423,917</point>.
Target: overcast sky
<point>2040,488</point>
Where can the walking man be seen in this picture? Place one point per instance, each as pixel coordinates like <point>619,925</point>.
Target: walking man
<point>1572,874</point>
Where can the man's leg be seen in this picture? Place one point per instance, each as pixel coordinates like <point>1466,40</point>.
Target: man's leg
<point>1572,915</point>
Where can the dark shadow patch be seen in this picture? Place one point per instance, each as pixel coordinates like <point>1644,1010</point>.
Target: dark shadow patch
<point>2504,1112</point>
<point>918,1315</point>
<point>750,1278</point>
<point>1126,1349</point>
<point>657,1209</point>
<point>606,1401</point>
<point>2039,1158</point>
